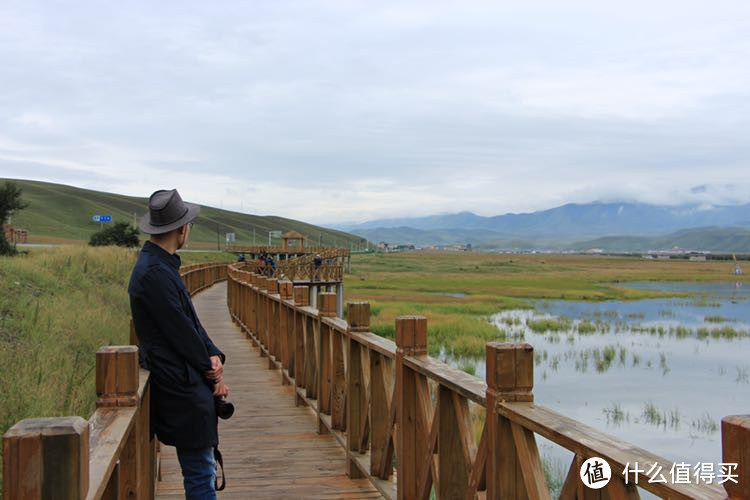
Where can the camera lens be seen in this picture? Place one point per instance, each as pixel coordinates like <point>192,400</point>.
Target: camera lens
<point>224,409</point>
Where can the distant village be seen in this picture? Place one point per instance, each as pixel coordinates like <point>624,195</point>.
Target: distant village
<point>392,247</point>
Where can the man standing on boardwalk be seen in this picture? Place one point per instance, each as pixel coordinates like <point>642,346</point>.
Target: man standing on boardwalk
<point>186,367</point>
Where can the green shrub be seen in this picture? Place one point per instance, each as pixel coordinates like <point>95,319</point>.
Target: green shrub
<point>120,234</point>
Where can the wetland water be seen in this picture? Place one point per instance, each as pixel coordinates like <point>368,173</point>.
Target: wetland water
<point>659,373</point>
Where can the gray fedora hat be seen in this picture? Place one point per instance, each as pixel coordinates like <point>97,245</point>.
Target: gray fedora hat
<point>167,211</point>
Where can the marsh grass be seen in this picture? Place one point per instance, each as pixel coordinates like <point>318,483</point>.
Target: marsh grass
<point>422,282</point>
<point>704,424</point>
<point>556,324</point>
<point>615,414</point>
<point>716,319</point>
<point>57,307</point>
<point>555,472</point>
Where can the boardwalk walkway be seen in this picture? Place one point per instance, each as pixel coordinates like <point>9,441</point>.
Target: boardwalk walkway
<point>270,447</point>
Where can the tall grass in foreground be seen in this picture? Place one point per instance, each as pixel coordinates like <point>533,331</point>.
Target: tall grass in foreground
<point>57,307</point>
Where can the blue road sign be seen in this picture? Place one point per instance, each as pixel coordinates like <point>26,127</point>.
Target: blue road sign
<point>101,218</point>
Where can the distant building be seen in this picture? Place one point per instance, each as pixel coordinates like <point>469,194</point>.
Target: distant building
<point>13,235</point>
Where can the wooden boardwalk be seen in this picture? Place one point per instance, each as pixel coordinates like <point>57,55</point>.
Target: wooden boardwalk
<point>271,448</point>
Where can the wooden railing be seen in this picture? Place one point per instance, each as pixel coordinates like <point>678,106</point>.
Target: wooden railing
<point>292,271</point>
<point>112,454</point>
<point>257,249</point>
<point>390,403</point>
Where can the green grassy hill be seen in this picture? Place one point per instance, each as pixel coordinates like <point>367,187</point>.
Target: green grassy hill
<point>712,239</point>
<point>58,213</point>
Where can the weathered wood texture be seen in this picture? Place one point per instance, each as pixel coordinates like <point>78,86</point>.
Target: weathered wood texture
<point>271,448</point>
<point>389,404</point>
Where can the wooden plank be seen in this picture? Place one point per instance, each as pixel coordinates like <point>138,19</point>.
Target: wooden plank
<point>411,339</point>
<point>478,467</point>
<point>618,490</point>
<point>455,465</point>
<point>735,438</point>
<point>588,442</point>
<point>109,428</point>
<point>356,409</point>
<point>428,472</point>
<point>375,343</point>
<point>324,370</point>
<point>338,380</point>
<point>530,463</point>
<point>569,489</point>
<point>311,358</point>
<point>364,433</point>
<point>46,458</point>
<point>271,448</point>
<point>380,414</point>
<point>456,380</point>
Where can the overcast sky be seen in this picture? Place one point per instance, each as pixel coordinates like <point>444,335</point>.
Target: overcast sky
<point>331,111</point>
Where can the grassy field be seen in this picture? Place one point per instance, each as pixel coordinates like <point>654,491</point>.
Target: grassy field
<point>62,214</point>
<point>57,307</point>
<point>457,292</point>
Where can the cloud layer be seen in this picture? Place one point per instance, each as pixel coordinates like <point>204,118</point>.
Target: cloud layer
<point>339,111</point>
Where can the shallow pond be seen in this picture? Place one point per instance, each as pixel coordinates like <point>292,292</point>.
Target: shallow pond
<point>658,373</point>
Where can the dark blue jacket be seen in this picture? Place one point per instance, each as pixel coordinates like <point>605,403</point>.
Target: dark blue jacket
<point>176,349</point>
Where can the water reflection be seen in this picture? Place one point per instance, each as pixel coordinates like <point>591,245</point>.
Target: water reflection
<point>658,373</point>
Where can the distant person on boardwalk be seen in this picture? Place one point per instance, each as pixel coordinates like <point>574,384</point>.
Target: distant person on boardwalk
<point>262,264</point>
<point>317,261</point>
<point>186,367</point>
<point>241,258</point>
<point>270,266</point>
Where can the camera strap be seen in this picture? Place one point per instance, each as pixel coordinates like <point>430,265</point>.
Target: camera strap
<point>219,463</point>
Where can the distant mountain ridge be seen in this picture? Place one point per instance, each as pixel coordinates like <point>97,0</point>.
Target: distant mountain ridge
<point>576,220</point>
<point>709,239</point>
<point>560,227</point>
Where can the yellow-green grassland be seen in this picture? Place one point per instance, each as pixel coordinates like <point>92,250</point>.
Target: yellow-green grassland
<point>458,291</point>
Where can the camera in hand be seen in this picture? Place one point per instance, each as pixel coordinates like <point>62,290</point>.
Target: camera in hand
<point>224,409</point>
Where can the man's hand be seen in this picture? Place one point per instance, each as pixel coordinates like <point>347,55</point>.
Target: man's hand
<point>221,389</point>
<point>215,374</point>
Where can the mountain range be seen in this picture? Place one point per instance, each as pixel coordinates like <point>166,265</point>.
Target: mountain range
<point>573,226</point>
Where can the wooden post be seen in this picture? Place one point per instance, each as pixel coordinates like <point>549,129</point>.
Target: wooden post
<point>381,409</point>
<point>117,376</point>
<point>411,340</point>
<point>735,448</point>
<point>327,308</point>
<point>117,381</point>
<point>272,342</point>
<point>358,314</point>
<point>301,298</point>
<point>286,290</point>
<point>133,334</point>
<point>510,377</point>
<point>312,349</point>
<point>262,313</point>
<point>285,326</point>
<point>46,458</point>
<point>340,300</point>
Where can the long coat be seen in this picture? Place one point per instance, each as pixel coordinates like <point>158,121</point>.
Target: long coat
<point>176,349</point>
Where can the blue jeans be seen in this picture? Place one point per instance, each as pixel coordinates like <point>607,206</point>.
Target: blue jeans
<point>198,472</point>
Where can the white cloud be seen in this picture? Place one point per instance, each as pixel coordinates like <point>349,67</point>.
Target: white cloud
<point>369,110</point>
